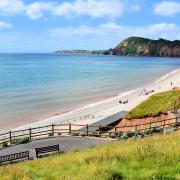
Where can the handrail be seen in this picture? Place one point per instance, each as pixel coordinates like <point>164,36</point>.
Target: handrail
<point>176,102</point>
<point>53,130</point>
<point>82,125</point>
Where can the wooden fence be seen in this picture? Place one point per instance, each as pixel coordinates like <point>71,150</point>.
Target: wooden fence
<point>174,105</point>
<point>14,137</point>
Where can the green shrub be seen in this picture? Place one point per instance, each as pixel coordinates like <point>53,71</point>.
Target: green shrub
<point>130,134</point>
<point>83,134</point>
<point>168,130</point>
<point>113,135</point>
<point>147,132</point>
<point>95,134</point>
<point>138,134</point>
<point>74,133</point>
<point>118,135</point>
<point>23,140</point>
<point>156,128</point>
<point>124,136</point>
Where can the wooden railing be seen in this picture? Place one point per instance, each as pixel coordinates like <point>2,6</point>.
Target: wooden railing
<point>14,137</point>
<point>174,105</point>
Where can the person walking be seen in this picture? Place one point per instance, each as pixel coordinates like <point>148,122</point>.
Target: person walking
<point>171,84</point>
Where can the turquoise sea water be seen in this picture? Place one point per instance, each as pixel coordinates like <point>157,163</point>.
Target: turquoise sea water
<point>36,86</point>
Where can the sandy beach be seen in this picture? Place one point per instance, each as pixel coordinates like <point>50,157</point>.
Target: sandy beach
<point>97,111</point>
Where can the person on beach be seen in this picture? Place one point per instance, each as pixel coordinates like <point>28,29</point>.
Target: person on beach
<point>144,91</point>
<point>171,84</point>
<point>124,100</point>
<point>141,92</point>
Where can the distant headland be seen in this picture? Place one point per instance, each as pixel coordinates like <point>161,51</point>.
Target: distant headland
<point>137,46</point>
<point>80,51</point>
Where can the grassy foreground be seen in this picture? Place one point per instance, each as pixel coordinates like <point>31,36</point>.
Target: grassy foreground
<point>155,105</point>
<point>156,157</point>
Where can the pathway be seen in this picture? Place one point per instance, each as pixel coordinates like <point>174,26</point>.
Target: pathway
<point>65,143</point>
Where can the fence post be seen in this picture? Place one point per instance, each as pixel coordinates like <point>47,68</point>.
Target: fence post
<point>164,124</point>
<point>87,130</point>
<point>52,129</point>
<point>176,123</point>
<point>29,133</point>
<point>69,128</point>
<point>136,127</point>
<point>150,125</point>
<point>10,137</point>
<point>115,129</point>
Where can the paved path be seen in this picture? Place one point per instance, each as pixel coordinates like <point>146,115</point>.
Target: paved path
<point>65,143</point>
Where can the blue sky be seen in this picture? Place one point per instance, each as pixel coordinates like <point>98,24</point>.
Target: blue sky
<point>49,25</point>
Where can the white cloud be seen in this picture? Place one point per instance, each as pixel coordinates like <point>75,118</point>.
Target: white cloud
<point>76,8</point>
<point>93,8</point>
<point>155,28</point>
<point>167,8</point>
<point>5,25</point>
<point>36,9</point>
<point>116,31</point>
<point>11,7</point>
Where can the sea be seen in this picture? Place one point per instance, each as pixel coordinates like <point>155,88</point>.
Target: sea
<point>37,86</point>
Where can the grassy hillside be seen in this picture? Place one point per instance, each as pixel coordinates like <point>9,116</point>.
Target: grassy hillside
<point>147,47</point>
<point>148,158</point>
<point>155,105</point>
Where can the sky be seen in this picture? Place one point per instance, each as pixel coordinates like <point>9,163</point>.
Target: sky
<point>49,25</point>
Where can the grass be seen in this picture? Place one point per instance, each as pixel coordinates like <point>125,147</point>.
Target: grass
<point>155,105</point>
<point>155,157</point>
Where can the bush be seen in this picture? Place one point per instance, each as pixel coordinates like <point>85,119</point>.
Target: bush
<point>124,136</point>
<point>115,135</point>
<point>138,134</point>
<point>118,134</point>
<point>156,128</point>
<point>147,132</point>
<point>4,145</point>
<point>168,130</point>
<point>112,135</point>
<point>131,134</point>
<point>74,133</point>
<point>83,134</point>
<point>23,140</point>
<point>96,134</point>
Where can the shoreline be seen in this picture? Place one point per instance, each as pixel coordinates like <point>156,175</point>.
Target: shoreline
<point>97,108</point>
